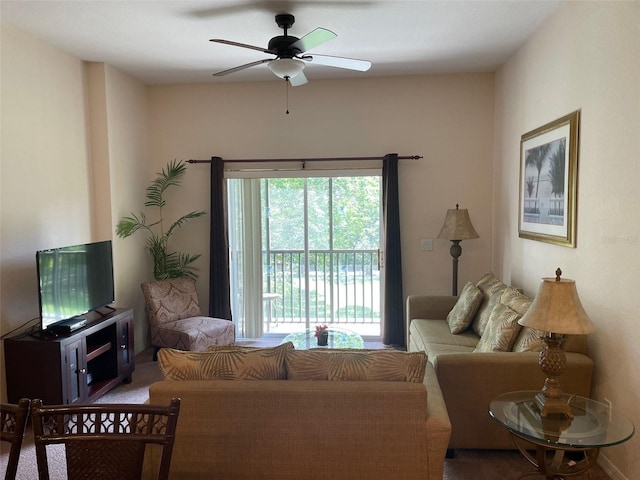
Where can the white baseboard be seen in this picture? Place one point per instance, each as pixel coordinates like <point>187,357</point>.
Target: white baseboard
<point>609,468</point>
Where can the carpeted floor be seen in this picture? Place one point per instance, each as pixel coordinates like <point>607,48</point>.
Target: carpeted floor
<point>466,465</point>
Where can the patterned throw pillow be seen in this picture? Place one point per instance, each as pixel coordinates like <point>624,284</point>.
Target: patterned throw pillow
<point>461,315</point>
<point>529,340</point>
<point>491,288</point>
<point>307,364</point>
<point>516,301</point>
<point>380,365</point>
<point>233,363</point>
<point>501,330</point>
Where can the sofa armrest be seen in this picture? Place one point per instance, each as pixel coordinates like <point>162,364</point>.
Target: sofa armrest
<point>428,307</point>
<point>438,424</point>
<point>433,307</point>
<point>483,376</point>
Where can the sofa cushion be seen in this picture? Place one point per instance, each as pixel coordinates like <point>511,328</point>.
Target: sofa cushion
<point>241,363</point>
<point>491,288</point>
<point>194,333</point>
<point>501,330</point>
<point>424,333</point>
<point>436,349</point>
<point>370,365</point>
<point>462,313</point>
<point>515,300</point>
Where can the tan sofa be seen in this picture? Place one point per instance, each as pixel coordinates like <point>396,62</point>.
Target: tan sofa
<point>469,380</point>
<point>311,429</point>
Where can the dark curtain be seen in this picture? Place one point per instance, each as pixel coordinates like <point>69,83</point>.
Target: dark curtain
<point>393,332</point>
<point>219,287</point>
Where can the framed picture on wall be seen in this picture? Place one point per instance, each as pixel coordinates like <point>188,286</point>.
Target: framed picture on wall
<point>548,182</point>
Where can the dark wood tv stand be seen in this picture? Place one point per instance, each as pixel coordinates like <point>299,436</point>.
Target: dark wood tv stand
<point>77,368</point>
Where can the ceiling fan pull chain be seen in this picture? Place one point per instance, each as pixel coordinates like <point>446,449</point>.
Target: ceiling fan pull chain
<point>286,81</point>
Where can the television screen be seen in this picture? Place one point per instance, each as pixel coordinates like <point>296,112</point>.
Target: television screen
<point>74,280</point>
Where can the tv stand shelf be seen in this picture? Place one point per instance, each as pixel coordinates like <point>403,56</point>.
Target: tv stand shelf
<point>96,351</point>
<point>75,368</point>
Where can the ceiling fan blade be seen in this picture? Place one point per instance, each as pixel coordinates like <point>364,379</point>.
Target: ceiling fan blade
<point>241,67</point>
<point>313,39</point>
<point>339,62</point>
<point>243,45</point>
<point>298,80</point>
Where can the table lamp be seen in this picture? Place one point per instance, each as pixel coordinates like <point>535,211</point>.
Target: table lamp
<point>457,226</point>
<point>556,311</point>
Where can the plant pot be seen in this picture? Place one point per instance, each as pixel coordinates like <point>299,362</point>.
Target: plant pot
<point>323,338</point>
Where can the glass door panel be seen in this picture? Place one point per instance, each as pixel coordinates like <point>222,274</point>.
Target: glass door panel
<point>320,243</point>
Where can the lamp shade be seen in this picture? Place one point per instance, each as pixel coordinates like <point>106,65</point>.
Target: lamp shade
<point>457,225</point>
<point>557,308</point>
<point>286,67</point>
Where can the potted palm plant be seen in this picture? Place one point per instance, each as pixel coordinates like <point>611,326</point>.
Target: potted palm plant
<point>166,264</point>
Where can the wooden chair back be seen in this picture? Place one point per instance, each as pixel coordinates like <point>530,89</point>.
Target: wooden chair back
<point>104,441</point>
<point>13,422</point>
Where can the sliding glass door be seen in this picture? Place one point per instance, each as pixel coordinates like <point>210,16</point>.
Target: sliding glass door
<point>314,259</point>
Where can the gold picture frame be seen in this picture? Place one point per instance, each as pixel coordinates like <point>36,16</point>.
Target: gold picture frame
<point>549,182</point>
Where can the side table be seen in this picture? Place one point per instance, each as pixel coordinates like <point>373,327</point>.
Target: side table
<point>593,426</point>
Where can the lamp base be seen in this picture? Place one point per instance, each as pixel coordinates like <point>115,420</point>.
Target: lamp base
<point>455,250</point>
<point>551,406</point>
<point>552,363</point>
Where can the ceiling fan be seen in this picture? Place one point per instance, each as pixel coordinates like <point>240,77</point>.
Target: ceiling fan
<point>291,53</point>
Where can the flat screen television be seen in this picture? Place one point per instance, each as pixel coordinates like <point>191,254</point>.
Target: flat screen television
<point>73,281</point>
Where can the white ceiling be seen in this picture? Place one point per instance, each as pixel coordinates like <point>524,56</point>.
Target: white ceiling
<point>163,42</point>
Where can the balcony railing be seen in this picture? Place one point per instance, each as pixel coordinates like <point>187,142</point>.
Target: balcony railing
<point>343,287</point>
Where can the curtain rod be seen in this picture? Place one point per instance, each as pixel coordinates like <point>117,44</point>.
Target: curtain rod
<point>327,159</point>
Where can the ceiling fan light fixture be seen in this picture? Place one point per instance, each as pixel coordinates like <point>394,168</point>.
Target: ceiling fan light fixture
<point>286,67</point>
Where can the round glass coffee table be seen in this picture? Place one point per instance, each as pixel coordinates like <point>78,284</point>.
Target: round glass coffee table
<point>592,427</point>
<point>338,338</point>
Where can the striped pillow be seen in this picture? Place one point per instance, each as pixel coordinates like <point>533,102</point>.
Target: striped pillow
<point>371,365</point>
<point>501,330</point>
<point>232,363</point>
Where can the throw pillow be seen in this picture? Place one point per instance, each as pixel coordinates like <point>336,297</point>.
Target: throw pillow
<point>529,340</point>
<point>381,365</point>
<point>461,315</point>
<point>491,288</point>
<point>307,364</point>
<point>239,363</point>
<point>501,331</point>
<point>516,301</point>
<point>311,364</point>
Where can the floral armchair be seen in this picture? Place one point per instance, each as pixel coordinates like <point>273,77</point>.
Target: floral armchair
<point>176,321</point>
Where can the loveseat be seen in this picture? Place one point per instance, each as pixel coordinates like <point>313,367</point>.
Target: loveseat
<point>488,355</point>
<point>282,414</point>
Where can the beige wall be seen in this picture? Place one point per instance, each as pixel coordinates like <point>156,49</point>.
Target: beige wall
<point>74,154</point>
<point>46,168</point>
<point>447,119</point>
<point>130,173</point>
<point>586,57</point>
